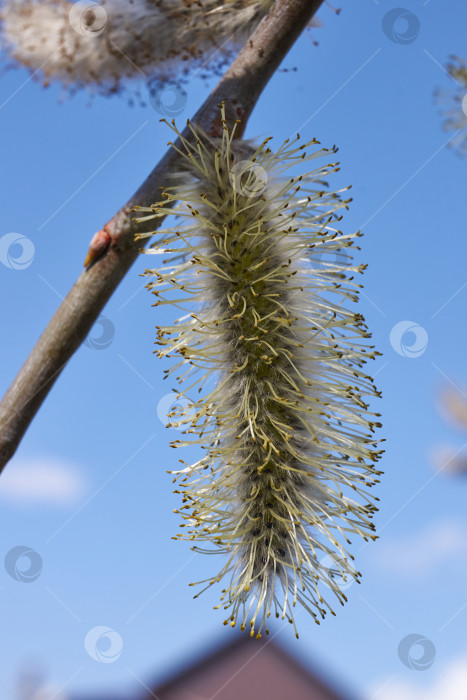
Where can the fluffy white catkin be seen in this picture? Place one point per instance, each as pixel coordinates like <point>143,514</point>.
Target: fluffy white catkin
<point>271,360</point>
<point>103,45</point>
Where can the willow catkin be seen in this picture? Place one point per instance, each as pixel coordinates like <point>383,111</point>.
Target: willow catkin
<point>276,359</point>
<point>453,103</point>
<point>104,45</point>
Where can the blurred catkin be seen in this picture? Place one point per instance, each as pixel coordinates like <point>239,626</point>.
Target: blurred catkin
<point>103,46</point>
<point>453,105</point>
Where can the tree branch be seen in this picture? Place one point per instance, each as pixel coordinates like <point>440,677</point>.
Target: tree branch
<point>240,87</point>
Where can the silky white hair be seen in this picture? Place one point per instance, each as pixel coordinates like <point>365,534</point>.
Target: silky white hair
<point>104,45</point>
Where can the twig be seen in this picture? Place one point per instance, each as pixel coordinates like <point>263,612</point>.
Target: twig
<point>240,87</point>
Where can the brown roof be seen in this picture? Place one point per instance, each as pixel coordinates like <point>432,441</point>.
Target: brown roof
<point>246,669</point>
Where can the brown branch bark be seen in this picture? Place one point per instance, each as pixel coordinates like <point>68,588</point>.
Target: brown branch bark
<point>240,87</point>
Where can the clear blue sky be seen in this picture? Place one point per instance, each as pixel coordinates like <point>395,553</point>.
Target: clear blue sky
<point>103,526</point>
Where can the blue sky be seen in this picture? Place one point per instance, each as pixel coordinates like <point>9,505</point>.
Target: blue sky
<point>100,511</point>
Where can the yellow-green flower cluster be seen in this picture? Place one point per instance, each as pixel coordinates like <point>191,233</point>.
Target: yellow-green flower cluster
<point>271,361</point>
